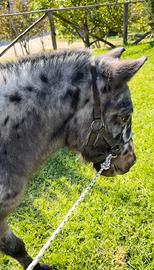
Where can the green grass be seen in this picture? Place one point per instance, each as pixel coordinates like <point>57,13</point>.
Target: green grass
<point>113,228</point>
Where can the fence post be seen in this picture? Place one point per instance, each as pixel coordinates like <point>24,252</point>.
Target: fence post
<point>125,33</point>
<point>52,28</point>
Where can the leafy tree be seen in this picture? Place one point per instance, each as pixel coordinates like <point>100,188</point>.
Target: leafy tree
<point>94,25</point>
<point>90,25</point>
<point>11,27</point>
<point>150,7</point>
<point>138,19</point>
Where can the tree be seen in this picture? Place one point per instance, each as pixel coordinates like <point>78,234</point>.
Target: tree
<point>150,7</point>
<point>91,25</point>
<point>138,19</point>
<point>11,27</point>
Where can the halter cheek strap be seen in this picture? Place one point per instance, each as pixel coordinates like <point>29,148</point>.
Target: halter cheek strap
<point>97,126</point>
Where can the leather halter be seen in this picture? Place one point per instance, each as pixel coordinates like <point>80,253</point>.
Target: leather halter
<point>98,125</point>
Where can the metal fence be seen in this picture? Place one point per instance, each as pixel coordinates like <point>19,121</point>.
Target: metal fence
<point>51,14</point>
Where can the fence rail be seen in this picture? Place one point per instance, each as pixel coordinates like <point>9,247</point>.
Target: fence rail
<point>50,13</point>
<point>69,8</point>
<point>22,34</point>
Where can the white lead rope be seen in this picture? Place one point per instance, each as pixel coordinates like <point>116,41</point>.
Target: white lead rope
<point>104,166</point>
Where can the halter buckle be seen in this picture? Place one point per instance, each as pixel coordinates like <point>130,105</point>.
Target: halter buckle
<point>97,125</point>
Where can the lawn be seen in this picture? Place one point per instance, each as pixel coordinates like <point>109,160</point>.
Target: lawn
<point>113,228</point>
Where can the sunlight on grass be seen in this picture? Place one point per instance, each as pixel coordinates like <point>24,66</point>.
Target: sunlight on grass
<point>112,229</point>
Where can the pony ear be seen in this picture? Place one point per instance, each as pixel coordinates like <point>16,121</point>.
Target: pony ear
<point>123,71</point>
<point>115,53</point>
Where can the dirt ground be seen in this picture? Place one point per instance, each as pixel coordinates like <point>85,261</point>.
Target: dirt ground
<point>36,47</point>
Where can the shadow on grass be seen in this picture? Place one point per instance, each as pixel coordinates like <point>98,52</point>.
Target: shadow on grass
<point>62,165</point>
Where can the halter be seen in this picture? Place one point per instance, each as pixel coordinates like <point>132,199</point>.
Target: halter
<point>98,126</point>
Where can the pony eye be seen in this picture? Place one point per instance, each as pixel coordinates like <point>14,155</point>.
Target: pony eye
<point>125,118</point>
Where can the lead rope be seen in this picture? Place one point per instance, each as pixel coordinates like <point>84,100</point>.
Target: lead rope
<point>104,166</point>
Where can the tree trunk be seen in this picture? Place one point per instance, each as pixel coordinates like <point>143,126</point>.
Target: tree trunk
<point>15,51</point>
<point>52,29</point>
<point>125,32</point>
<point>42,41</point>
<point>25,46</point>
<point>86,33</point>
<point>80,32</point>
<point>20,42</point>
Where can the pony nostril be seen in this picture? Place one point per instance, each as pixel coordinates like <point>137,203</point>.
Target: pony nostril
<point>130,159</point>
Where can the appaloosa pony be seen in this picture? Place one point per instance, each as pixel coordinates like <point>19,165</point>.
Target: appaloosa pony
<point>67,98</point>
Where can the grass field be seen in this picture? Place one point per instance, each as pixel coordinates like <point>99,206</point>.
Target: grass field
<point>113,228</point>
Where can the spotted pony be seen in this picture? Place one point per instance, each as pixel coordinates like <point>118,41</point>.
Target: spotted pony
<point>56,100</point>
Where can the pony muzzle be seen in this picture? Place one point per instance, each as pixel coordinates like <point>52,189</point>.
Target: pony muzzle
<point>119,165</point>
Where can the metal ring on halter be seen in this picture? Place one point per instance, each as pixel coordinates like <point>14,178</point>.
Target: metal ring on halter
<point>97,125</point>
<point>115,150</point>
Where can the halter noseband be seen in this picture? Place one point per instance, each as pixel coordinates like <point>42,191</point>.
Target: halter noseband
<point>98,126</point>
